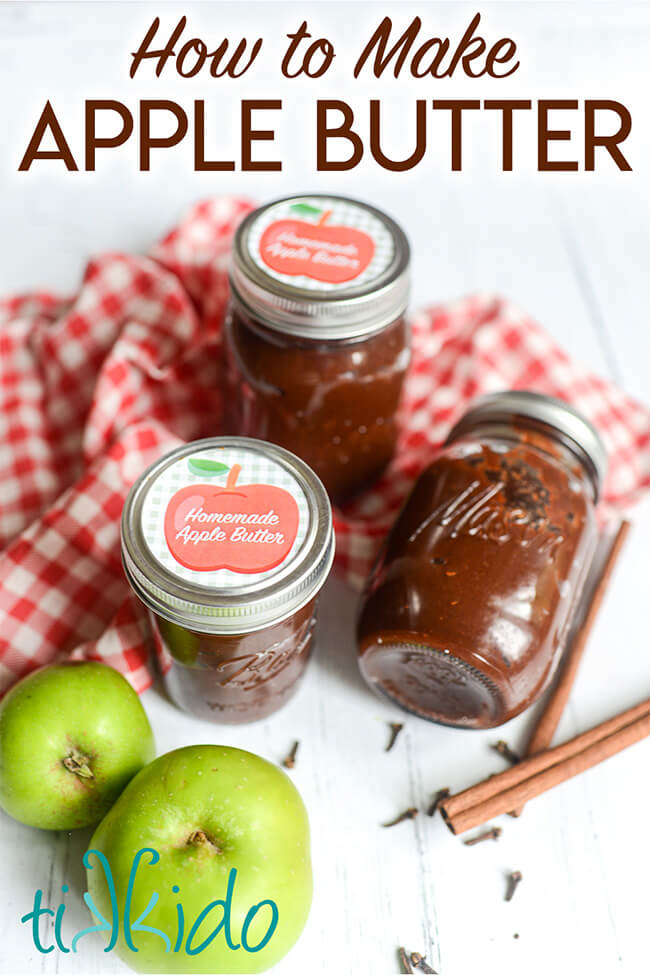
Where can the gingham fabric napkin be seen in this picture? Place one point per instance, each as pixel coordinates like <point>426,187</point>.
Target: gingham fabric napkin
<point>94,388</point>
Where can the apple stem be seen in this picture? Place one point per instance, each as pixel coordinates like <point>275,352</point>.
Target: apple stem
<point>233,474</point>
<point>78,763</point>
<point>200,838</point>
<point>324,217</point>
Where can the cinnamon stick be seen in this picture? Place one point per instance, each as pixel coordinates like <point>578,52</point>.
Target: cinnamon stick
<point>538,763</point>
<point>532,776</point>
<point>546,726</point>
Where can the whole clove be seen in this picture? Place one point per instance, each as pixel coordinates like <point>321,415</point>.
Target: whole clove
<point>437,799</point>
<point>395,729</point>
<point>410,813</point>
<point>514,880</point>
<point>490,834</point>
<point>404,961</point>
<point>421,963</point>
<point>504,749</point>
<point>290,760</point>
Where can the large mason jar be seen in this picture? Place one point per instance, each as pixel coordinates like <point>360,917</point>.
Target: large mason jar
<point>467,609</point>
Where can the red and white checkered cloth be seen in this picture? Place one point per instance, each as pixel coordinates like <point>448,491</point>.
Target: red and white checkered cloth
<point>94,388</point>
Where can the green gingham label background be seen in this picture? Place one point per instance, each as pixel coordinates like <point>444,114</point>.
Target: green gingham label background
<point>343,213</point>
<point>255,469</point>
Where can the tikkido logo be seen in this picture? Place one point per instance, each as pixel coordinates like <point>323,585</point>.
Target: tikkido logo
<point>130,927</point>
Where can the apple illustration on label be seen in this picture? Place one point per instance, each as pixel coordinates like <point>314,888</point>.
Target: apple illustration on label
<point>242,527</point>
<point>208,849</point>
<point>332,253</point>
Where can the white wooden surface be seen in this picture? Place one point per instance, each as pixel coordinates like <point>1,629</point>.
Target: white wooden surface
<point>572,250</point>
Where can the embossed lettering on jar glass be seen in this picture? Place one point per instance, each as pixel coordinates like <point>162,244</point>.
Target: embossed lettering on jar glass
<point>467,609</point>
<point>316,344</point>
<point>228,542</point>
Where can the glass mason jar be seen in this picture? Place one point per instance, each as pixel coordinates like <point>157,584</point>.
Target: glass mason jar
<point>466,611</point>
<point>227,542</point>
<point>315,344</point>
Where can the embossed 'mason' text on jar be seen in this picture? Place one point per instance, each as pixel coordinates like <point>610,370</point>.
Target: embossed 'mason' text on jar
<point>228,542</point>
<point>316,344</point>
<point>467,609</point>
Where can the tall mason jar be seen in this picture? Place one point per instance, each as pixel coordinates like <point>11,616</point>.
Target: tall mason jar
<point>466,612</point>
<point>316,344</point>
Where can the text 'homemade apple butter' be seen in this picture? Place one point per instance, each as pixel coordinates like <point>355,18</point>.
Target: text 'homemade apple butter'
<point>227,542</point>
<point>316,345</point>
<point>466,611</point>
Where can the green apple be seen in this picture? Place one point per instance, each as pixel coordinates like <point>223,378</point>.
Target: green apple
<point>71,737</point>
<point>226,841</point>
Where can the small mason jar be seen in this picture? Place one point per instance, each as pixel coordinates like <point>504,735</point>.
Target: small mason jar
<point>466,611</point>
<point>316,344</point>
<point>227,542</point>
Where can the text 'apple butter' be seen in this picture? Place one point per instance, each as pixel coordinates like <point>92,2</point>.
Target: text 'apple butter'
<point>316,345</point>
<point>466,612</point>
<point>228,541</point>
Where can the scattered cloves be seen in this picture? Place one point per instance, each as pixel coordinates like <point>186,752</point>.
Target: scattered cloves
<point>504,749</point>
<point>395,729</point>
<point>407,814</point>
<point>437,799</point>
<point>290,760</point>
<point>421,963</point>
<point>490,834</point>
<point>514,879</point>
<point>404,961</point>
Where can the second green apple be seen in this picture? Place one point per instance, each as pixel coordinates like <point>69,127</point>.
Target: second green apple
<point>220,842</point>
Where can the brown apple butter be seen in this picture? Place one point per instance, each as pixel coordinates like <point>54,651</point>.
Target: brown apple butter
<point>466,611</point>
<point>315,344</point>
<point>228,542</point>
<point>238,678</point>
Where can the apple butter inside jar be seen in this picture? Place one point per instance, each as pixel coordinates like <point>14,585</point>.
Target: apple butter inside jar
<point>316,344</point>
<point>228,541</point>
<point>466,611</point>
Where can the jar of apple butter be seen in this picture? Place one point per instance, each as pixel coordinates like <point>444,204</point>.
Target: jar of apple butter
<point>227,542</point>
<point>316,344</point>
<point>466,611</point>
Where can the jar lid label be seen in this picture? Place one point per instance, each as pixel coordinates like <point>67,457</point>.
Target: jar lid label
<point>225,517</point>
<point>320,244</point>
